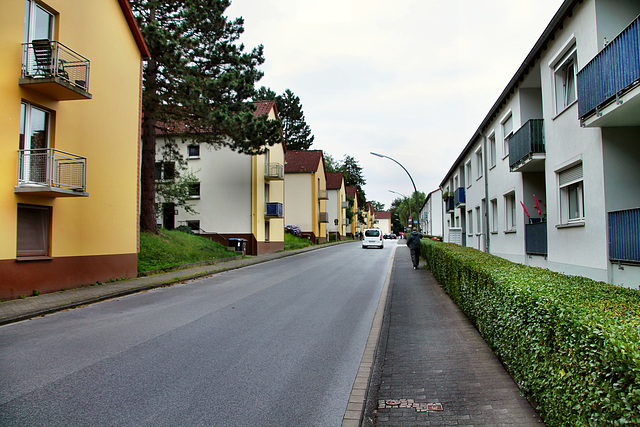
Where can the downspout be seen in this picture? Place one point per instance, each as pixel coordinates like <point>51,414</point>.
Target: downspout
<point>442,209</point>
<point>486,192</point>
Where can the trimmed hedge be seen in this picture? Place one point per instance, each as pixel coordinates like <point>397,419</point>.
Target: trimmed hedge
<point>571,344</point>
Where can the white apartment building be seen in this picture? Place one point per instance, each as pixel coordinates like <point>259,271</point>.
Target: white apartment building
<point>551,177</point>
<point>431,214</point>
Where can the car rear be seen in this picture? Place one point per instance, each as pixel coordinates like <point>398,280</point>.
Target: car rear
<point>372,238</point>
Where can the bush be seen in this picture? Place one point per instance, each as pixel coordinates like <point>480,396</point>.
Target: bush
<point>572,344</point>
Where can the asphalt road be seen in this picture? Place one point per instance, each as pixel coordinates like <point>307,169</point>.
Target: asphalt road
<point>275,344</point>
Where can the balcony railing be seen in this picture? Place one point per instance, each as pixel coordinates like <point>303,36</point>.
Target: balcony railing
<point>536,238</point>
<point>526,147</point>
<point>345,221</point>
<point>458,196</point>
<point>274,171</point>
<point>55,70</point>
<point>624,235</point>
<point>345,204</point>
<point>322,194</point>
<point>448,203</point>
<point>52,172</point>
<point>614,70</point>
<point>273,210</point>
<point>323,217</point>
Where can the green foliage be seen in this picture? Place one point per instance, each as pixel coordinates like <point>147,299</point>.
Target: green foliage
<point>572,344</point>
<point>292,242</point>
<point>295,130</point>
<point>172,248</point>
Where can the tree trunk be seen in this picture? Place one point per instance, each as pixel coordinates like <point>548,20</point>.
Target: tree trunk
<point>147,167</point>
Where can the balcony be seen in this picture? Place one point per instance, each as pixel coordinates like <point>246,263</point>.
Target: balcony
<point>448,203</point>
<point>624,235</point>
<point>323,217</point>
<point>274,171</point>
<point>51,173</point>
<point>536,238</point>
<point>608,89</point>
<point>322,195</point>
<point>526,148</point>
<point>458,197</point>
<point>273,210</point>
<point>345,205</point>
<point>346,221</point>
<point>49,67</point>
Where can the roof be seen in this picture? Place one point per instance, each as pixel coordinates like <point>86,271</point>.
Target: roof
<point>264,107</point>
<point>302,161</point>
<point>334,180</point>
<point>135,30</point>
<point>383,214</point>
<point>557,22</point>
<point>351,191</point>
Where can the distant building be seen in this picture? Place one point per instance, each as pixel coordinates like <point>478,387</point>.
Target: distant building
<point>336,206</point>
<point>383,221</point>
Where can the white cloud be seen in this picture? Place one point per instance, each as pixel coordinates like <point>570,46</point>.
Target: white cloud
<point>411,79</point>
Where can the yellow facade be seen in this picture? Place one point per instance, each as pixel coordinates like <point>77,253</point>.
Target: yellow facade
<point>101,220</point>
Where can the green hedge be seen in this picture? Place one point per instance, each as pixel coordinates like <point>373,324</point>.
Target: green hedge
<point>572,344</point>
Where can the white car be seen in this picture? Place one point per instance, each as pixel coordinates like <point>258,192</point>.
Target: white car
<point>372,237</point>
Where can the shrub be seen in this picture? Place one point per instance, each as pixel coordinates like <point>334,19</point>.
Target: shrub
<point>572,344</point>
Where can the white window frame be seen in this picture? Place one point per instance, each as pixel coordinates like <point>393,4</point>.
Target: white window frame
<point>507,132</point>
<point>492,150</point>
<point>478,221</point>
<point>467,173</point>
<point>193,156</point>
<point>571,183</point>
<point>511,216</point>
<point>470,222</point>
<point>494,215</point>
<point>564,70</point>
<point>479,165</point>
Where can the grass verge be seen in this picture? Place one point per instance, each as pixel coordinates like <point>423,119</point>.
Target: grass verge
<point>171,248</point>
<point>292,242</point>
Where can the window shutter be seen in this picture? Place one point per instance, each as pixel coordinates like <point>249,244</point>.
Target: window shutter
<point>571,175</point>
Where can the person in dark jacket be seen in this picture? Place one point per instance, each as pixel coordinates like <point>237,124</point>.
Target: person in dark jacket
<point>413,241</point>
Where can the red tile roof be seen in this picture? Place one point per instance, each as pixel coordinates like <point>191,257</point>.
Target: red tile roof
<point>263,107</point>
<point>383,214</point>
<point>334,180</point>
<point>297,161</point>
<point>352,191</point>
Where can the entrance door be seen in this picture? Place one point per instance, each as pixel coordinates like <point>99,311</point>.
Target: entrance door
<point>169,216</point>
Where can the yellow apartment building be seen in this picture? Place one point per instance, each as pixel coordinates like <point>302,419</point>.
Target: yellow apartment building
<point>70,92</point>
<point>306,193</point>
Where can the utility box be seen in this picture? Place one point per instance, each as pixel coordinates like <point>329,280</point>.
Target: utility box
<point>237,245</point>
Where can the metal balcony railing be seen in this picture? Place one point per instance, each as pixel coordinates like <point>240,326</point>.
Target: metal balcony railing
<point>345,221</point>
<point>345,205</point>
<point>323,217</point>
<point>459,197</point>
<point>624,235</point>
<point>448,203</point>
<point>273,210</point>
<point>536,238</point>
<point>52,168</point>
<point>274,171</point>
<point>527,141</point>
<point>615,69</point>
<point>322,194</point>
<point>43,59</point>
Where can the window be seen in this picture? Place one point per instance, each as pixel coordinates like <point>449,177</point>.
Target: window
<point>565,81</point>
<point>571,195</point>
<point>194,151</point>
<point>165,171</point>
<point>34,140</point>
<point>510,211</point>
<point>494,215</point>
<point>479,165</point>
<point>478,221</point>
<point>468,173</point>
<point>507,133</point>
<point>194,190</point>
<point>456,184</point>
<point>492,150</point>
<point>38,22</point>
<point>193,224</point>
<point>470,223</point>
<point>34,223</point>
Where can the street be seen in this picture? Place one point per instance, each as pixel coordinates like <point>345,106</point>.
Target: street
<point>275,344</point>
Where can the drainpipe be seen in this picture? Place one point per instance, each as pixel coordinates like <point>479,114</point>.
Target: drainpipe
<point>486,193</point>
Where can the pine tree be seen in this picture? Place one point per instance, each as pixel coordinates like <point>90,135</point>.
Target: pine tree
<point>197,84</point>
<point>296,131</point>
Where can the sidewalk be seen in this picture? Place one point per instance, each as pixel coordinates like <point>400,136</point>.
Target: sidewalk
<point>22,309</point>
<point>432,366</point>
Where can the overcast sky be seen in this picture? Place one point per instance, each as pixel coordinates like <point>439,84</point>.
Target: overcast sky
<point>411,79</point>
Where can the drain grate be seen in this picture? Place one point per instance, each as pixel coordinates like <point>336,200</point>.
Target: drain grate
<point>410,403</point>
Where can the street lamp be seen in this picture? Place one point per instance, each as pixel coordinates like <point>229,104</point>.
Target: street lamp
<point>408,203</point>
<point>405,169</point>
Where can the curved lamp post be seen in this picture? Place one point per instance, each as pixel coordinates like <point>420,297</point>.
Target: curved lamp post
<point>408,203</point>
<point>414,184</point>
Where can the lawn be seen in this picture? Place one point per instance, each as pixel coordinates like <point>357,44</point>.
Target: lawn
<point>172,248</point>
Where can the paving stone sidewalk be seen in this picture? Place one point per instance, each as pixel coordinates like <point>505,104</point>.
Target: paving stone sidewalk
<point>433,368</point>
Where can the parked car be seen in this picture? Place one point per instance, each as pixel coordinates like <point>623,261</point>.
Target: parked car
<point>372,237</point>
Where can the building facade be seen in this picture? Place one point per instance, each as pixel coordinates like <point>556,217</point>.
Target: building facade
<point>431,214</point>
<point>551,178</point>
<point>337,205</point>
<point>69,144</point>
<point>237,196</point>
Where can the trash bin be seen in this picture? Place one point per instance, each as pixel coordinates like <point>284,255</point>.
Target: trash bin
<point>237,245</point>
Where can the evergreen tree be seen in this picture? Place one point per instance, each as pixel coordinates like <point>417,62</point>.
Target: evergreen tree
<point>296,131</point>
<point>331,164</point>
<point>197,84</point>
<point>353,177</point>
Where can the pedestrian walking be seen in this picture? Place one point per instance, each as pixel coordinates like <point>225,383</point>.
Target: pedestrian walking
<point>413,241</point>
